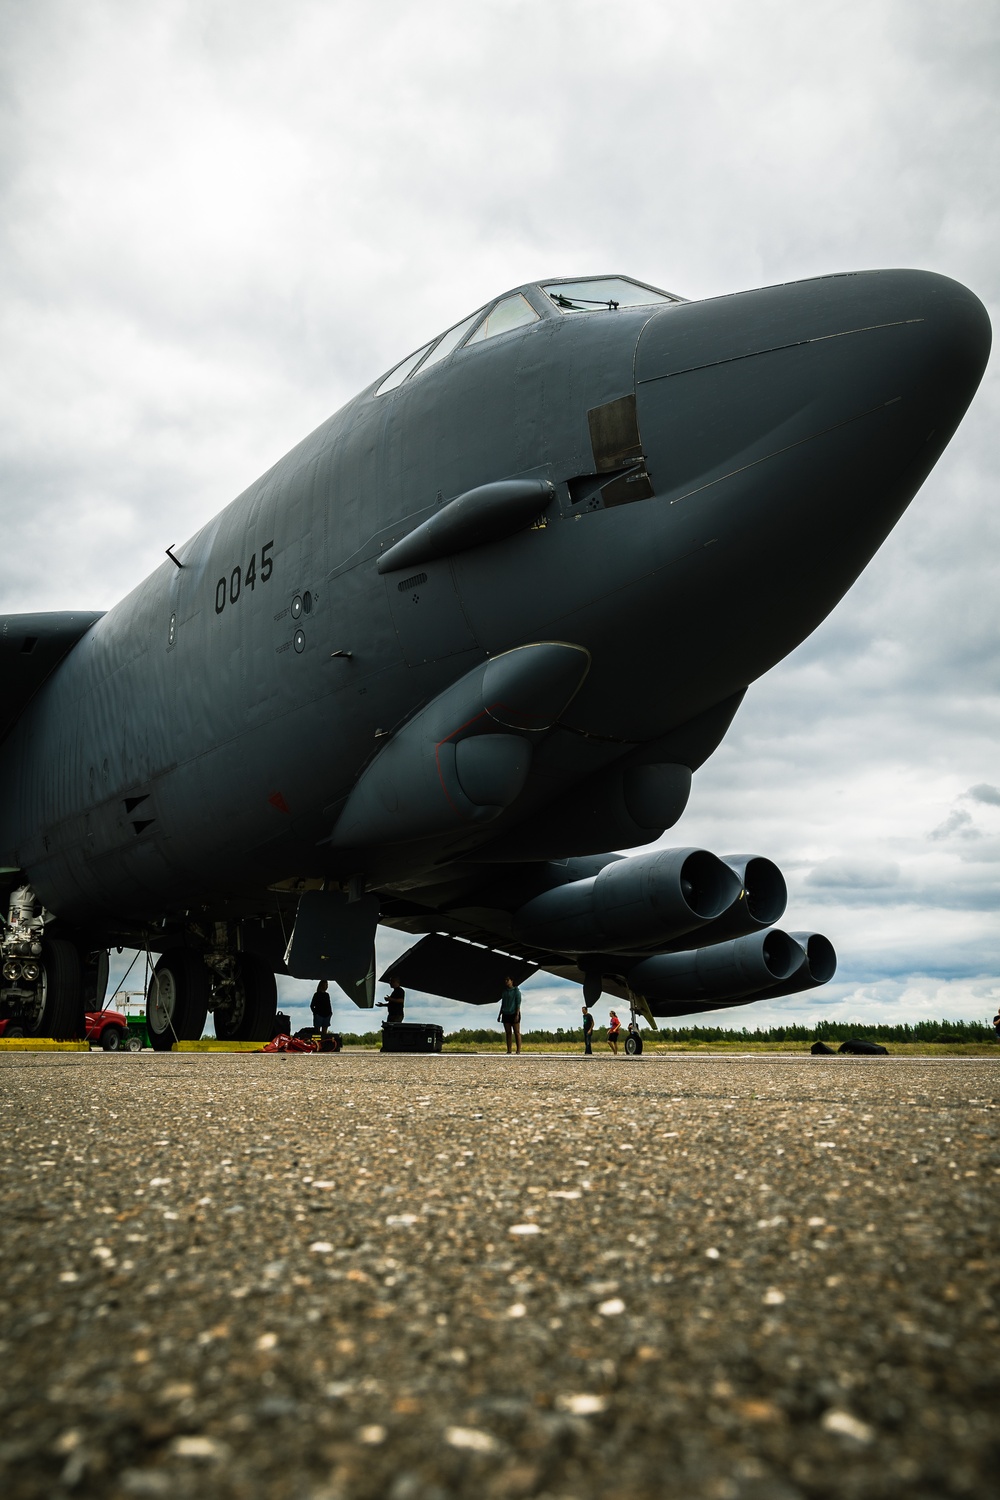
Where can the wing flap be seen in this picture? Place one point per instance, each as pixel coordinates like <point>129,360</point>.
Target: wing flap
<point>457,970</point>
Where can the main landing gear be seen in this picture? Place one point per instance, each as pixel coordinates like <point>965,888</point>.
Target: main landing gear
<point>41,989</point>
<point>238,988</point>
<point>177,998</point>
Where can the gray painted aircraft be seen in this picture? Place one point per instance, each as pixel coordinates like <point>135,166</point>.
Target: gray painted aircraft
<point>475,631</point>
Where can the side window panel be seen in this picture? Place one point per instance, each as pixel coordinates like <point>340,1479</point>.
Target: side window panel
<point>399,374</point>
<point>512,312</point>
<point>448,342</point>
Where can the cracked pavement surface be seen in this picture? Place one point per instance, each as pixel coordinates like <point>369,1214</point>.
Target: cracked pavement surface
<point>360,1277</point>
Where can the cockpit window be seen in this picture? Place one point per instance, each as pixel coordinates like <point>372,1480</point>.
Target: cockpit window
<point>511,312</point>
<point>399,374</point>
<point>449,341</point>
<point>602,292</point>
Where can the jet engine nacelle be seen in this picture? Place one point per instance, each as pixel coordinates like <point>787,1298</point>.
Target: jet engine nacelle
<point>619,808</point>
<point>465,757</point>
<point>647,899</point>
<point>817,965</point>
<point>760,903</point>
<point>723,972</point>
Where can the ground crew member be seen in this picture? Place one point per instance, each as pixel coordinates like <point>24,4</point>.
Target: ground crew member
<point>510,1013</point>
<point>321,1008</point>
<point>613,1029</point>
<point>394,1002</point>
<point>588,1032</point>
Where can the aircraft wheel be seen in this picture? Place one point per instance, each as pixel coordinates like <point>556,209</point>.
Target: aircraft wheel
<point>177,999</point>
<point>59,1012</point>
<point>112,1039</point>
<point>14,1033</point>
<point>251,1019</point>
<point>633,1046</point>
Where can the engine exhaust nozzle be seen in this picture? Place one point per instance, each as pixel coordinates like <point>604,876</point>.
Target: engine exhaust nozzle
<point>722,972</point>
<point>631,902</point>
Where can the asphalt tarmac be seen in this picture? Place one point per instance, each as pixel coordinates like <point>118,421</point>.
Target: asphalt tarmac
<point>398,1278</point>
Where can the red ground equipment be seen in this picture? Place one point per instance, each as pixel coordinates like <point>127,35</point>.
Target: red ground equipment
<point>108,1029</point>
<point>316,1043</point>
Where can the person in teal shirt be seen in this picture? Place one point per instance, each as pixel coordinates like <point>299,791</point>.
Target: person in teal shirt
<point>510,1013</point>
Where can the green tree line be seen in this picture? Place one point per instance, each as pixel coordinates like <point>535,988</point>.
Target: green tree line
<point>823,1031</point>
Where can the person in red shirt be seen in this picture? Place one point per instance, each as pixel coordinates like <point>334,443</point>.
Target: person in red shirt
<point>613,1029</point>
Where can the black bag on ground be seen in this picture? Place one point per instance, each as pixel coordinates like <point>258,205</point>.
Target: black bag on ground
<point>859,1048</point>
<point>411,1036</point>
<point>820,1048</point>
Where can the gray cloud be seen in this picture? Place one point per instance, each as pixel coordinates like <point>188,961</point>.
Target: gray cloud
<point>984,793</point>
<point>958,821</point>
<point>854,875</point>
<point>220,220</point>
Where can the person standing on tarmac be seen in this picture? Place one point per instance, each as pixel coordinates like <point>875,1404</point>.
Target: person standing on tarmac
<point>321,1008</point>
<point>996,1025</point>
<point>393,1003</point>
<point>510,1013</point>
<point>614,1026</point>
<point>588,1032</point>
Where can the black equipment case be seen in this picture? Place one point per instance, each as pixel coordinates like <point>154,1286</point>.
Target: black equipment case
<point>407,1036</point>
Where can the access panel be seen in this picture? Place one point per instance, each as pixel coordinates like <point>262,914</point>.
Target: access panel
<point>427,613</point>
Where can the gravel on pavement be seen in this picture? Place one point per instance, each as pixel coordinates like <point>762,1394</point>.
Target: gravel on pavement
<point>367,1277</point>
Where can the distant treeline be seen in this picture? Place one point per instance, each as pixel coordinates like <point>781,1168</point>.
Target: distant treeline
<point>823,1031</point>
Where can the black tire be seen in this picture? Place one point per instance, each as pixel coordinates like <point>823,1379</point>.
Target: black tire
<point>14,1033</point>
<point>177,999</point>
<point>133,1044</point>
<point>633,1045</point>
<point>112,1039</point>
<point>251,1019</point>
<point>62,1014</point>
<point>95,978</point>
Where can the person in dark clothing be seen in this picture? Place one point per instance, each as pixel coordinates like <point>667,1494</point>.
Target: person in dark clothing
<point>393,1003</point>
<point>588,1032</point>
<point>510,1013</point>
<point>321,1008</point>
<point>996,1024</point>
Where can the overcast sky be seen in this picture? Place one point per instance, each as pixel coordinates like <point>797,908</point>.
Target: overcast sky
<point>219,220</point>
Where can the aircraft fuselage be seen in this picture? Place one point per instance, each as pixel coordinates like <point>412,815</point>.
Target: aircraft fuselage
<point>198,744</point>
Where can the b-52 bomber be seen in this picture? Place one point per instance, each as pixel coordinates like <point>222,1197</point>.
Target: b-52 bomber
<point>473,633</point>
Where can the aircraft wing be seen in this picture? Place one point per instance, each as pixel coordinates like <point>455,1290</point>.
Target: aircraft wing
<point>467,951</point>
<point>31,647</point>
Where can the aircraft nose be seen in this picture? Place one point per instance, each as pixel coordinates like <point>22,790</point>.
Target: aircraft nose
<point>854,381</point>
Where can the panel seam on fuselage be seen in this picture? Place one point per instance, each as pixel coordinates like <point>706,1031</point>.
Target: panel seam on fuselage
<point>777,452</point>
<point>820,338</point>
